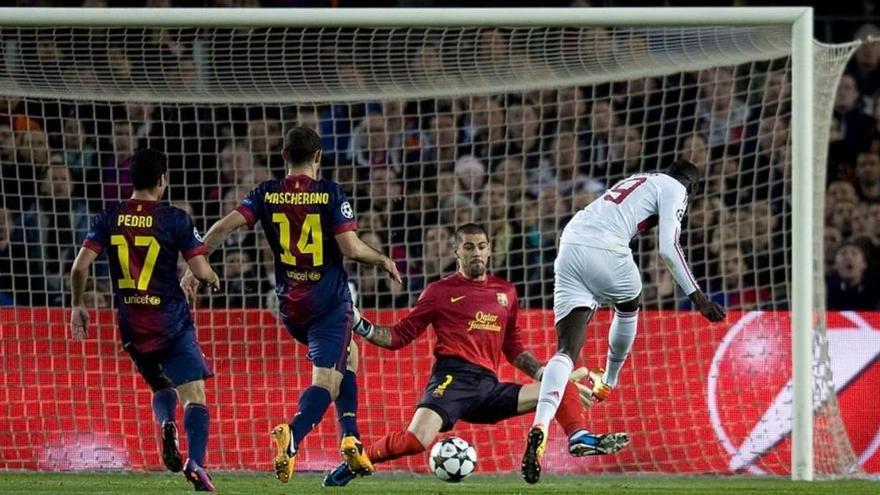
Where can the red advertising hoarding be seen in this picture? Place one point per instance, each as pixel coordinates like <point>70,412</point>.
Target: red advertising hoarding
<point>694,397</point>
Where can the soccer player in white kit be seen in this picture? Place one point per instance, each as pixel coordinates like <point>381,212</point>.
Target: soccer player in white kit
<point>594,266</point>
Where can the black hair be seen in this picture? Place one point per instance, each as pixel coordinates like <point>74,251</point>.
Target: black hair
<point>685,172</point>
<point>468,229</point>
<point>301,144</point>
<point>147,166</point>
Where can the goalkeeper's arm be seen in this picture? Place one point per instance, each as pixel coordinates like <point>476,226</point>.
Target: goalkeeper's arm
<point>375,334</point>
<point>528,364</point>
<point>404,331</point>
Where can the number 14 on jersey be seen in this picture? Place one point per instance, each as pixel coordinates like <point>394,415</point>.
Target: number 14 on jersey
<point>310,241</point>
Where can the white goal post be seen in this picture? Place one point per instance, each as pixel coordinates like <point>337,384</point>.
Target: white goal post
<point>803,268</point>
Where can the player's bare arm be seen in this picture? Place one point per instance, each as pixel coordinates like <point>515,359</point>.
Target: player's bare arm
<point>528,364</point>
<point>213,238</point>
<point>404,331</point>
<point>354,248</point>
<point>222,228</point>
<point>711,310</point>
<point>202,270</point>
<point>375,334</point>
<point>79,276</point>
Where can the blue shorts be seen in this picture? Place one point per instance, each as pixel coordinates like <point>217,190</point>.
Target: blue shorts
<point>182,361</point>
<point>328,337</point>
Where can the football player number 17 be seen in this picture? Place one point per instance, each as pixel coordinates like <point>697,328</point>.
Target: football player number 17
<point>311,239</point>
<point>143,281</point>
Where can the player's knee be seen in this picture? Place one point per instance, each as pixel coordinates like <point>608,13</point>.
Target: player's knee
<point>527,400</point>
<point>328,379</point>
<point>571,332</point>
<point>152,372</point>
<point>629,306</point>
<point>570,344</point>
<point>353,360</point>
<point>425,426</point>
<point>192,392</point>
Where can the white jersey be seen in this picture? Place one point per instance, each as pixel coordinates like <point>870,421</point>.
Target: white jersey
<point>634,205</point>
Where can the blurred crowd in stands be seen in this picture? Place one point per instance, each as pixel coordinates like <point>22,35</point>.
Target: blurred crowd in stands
<point>521,164</point>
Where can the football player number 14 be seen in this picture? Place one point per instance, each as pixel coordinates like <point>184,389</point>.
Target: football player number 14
<point>623,189</point>
<point>143,281</point>
<point>311,239</point>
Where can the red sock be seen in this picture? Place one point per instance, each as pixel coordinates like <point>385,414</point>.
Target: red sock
<point>394,446</point>
<point>570,414</point>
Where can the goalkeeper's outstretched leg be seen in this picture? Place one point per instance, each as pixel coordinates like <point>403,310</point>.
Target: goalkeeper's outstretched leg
<point>460,390</point>
<point>422,430</point>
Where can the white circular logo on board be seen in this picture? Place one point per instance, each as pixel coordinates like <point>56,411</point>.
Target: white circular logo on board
<point>753,424</point>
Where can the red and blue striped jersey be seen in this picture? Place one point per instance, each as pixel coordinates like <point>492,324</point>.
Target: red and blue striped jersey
<point>301,217</point>
<point>142,240</point>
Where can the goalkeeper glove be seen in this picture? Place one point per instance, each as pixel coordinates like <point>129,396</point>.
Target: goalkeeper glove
<point>586,393</point>
<point>362,326</point>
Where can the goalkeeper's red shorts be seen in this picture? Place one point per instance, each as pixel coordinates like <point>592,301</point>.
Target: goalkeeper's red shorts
<point>459,390</point>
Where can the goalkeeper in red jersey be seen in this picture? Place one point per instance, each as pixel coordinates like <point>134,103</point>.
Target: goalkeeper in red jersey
<point>474,317</point>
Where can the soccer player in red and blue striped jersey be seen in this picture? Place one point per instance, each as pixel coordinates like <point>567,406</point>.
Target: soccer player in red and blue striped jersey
<point>310,225</point>
<point>142,237</point>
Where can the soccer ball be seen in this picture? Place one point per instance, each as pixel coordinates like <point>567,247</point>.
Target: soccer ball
<point>453,459</point>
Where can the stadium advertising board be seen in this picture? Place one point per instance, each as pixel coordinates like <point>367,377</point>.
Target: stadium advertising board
<point>694,397</point>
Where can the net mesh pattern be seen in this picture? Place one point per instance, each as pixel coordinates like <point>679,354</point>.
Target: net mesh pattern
<point>514,128</point>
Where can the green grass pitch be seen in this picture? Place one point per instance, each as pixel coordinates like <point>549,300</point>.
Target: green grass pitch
<point>17,483</point>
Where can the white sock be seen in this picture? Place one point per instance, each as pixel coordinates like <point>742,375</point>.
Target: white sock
<point>553,382</point>
<point>620,341</point>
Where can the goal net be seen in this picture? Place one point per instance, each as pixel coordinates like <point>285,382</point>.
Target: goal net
<point>426,128</point>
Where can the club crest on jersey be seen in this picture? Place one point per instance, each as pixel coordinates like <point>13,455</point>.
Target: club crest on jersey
<point>346,210</point>
<point>197,235</point>
<point>502,299</point>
